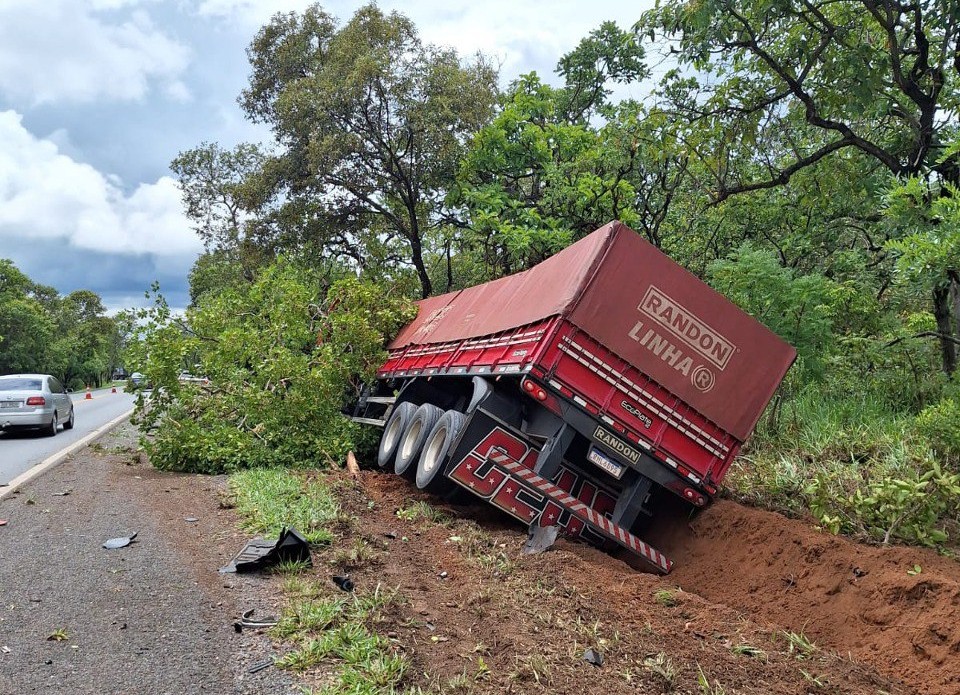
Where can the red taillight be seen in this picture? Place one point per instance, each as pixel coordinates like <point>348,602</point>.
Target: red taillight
<point>528,386</point>
<point>694,497</point>
<point>541,395</point>
<point>36,400</point>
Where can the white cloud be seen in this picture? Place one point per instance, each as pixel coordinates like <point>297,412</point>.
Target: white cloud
<point>46,195</point>
<point>66,51</point>
<point>521,36</point>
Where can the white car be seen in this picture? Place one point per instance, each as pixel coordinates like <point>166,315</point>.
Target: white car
<point>34,401</point>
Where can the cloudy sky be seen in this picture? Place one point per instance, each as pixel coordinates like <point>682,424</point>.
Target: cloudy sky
<point>98,96</point>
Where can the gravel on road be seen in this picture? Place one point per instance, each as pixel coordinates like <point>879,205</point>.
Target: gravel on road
<point>152,617</point>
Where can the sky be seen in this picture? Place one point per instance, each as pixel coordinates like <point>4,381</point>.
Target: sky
<point>97,97</point>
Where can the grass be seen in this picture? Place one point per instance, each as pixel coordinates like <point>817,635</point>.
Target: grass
<point>666,598</point>
<point>420,510</point>
<point>799,645</point>
<point>846,460</point>
<point>664,669</point>
<point>269,499</point>
<point>342,631</point>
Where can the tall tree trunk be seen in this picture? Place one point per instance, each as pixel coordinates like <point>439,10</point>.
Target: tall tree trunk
<point>426,287</point>
<point>944,318</point>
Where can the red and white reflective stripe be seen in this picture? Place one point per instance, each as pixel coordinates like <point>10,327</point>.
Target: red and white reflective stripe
<point>528,337</point>
<point>646,399</point>
<point>582,511</point>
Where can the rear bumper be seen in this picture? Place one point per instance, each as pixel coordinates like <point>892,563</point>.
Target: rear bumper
<point>35,418</point>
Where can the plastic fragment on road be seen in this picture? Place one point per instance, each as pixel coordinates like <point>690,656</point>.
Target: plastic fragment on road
<point>121,542</point>
<point>190,519</point>
<point>261,553</point>
<point>3,522</point>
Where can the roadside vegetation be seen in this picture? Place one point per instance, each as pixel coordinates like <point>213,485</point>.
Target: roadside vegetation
<point>68,336</point>
<point>805,161</point>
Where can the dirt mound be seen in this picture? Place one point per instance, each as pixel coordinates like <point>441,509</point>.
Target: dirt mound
<point>481,618</point>
<point>868,602</point>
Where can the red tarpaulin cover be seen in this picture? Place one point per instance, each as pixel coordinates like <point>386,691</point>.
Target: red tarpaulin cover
<point>641,305</point>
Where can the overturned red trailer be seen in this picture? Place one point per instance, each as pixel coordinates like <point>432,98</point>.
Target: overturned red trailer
<point>569,394</point>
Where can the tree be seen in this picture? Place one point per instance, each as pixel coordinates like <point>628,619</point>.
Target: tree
<point>371,123</point>
<point>558,162</point>
<point>784,86</point>
<point>275,390</point>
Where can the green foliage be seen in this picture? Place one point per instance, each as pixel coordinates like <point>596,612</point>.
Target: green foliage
<point>281,355</point>
<point>939,424</point>
<point>804,310</point>
<point>69,337</point>
<point>370,124</point>
<point>270,498</point>
<point>858,467</point>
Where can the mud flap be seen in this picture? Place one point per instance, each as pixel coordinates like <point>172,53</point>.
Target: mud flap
<point>540,540</point>
<point>260,553</point>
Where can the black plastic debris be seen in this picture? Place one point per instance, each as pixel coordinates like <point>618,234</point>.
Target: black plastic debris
<point>343,581</point>
<point>121,542</point>
<point>541,539</point>
<point>260,666</point>
<point>247,621</point>
<point>261,553</point>
<point>592,656</point>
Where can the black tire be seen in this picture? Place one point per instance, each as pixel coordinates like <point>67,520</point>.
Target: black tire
<point>413,439</point>
<point>51,431</point>
<point>68,425</point>
<point>436,452</point>
<point>393,433</point>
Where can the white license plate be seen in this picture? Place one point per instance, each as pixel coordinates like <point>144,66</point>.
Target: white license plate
<point>606,463</point>
<point>10,404</point>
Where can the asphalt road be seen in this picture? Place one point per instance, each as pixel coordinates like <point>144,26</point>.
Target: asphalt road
<point>20,451</point>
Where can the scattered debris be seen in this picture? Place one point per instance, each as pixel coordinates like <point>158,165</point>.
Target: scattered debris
<point>592,656</point>
<point>58,635</point>
<point>391,535</point>
<point>260,553</point>
<point>5,649</point>
<point>3,522</point>
<point>343,581</point>
<point>121,542</point>
<point>540,539</point>
<point>191,519</point>
<point>64,493</point>
<point>256,668</point>
<point>247,621</point>
<point>443,575</point>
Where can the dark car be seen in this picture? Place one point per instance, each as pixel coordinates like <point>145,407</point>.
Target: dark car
<point>34,401</point>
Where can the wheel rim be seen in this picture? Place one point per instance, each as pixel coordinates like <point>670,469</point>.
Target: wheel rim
<point>392,434</point>
<point>431,456</point>
<point>406,449</point>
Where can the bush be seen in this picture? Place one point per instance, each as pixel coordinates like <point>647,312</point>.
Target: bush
<point>281,355</point>
<point>939,424</point>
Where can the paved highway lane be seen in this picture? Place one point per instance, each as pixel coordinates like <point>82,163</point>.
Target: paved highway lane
<point>20,451</point>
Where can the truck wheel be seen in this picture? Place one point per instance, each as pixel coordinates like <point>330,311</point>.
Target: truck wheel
<point>436,451</point>
<point>393,433</point>
<point>413,439</point>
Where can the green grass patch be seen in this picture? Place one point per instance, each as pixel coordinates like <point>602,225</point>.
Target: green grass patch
<point>341,631</point>
<point>271,498</point>
<point>859,467</point>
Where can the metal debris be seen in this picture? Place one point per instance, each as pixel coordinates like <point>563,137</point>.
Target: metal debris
<point>246,621</point>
